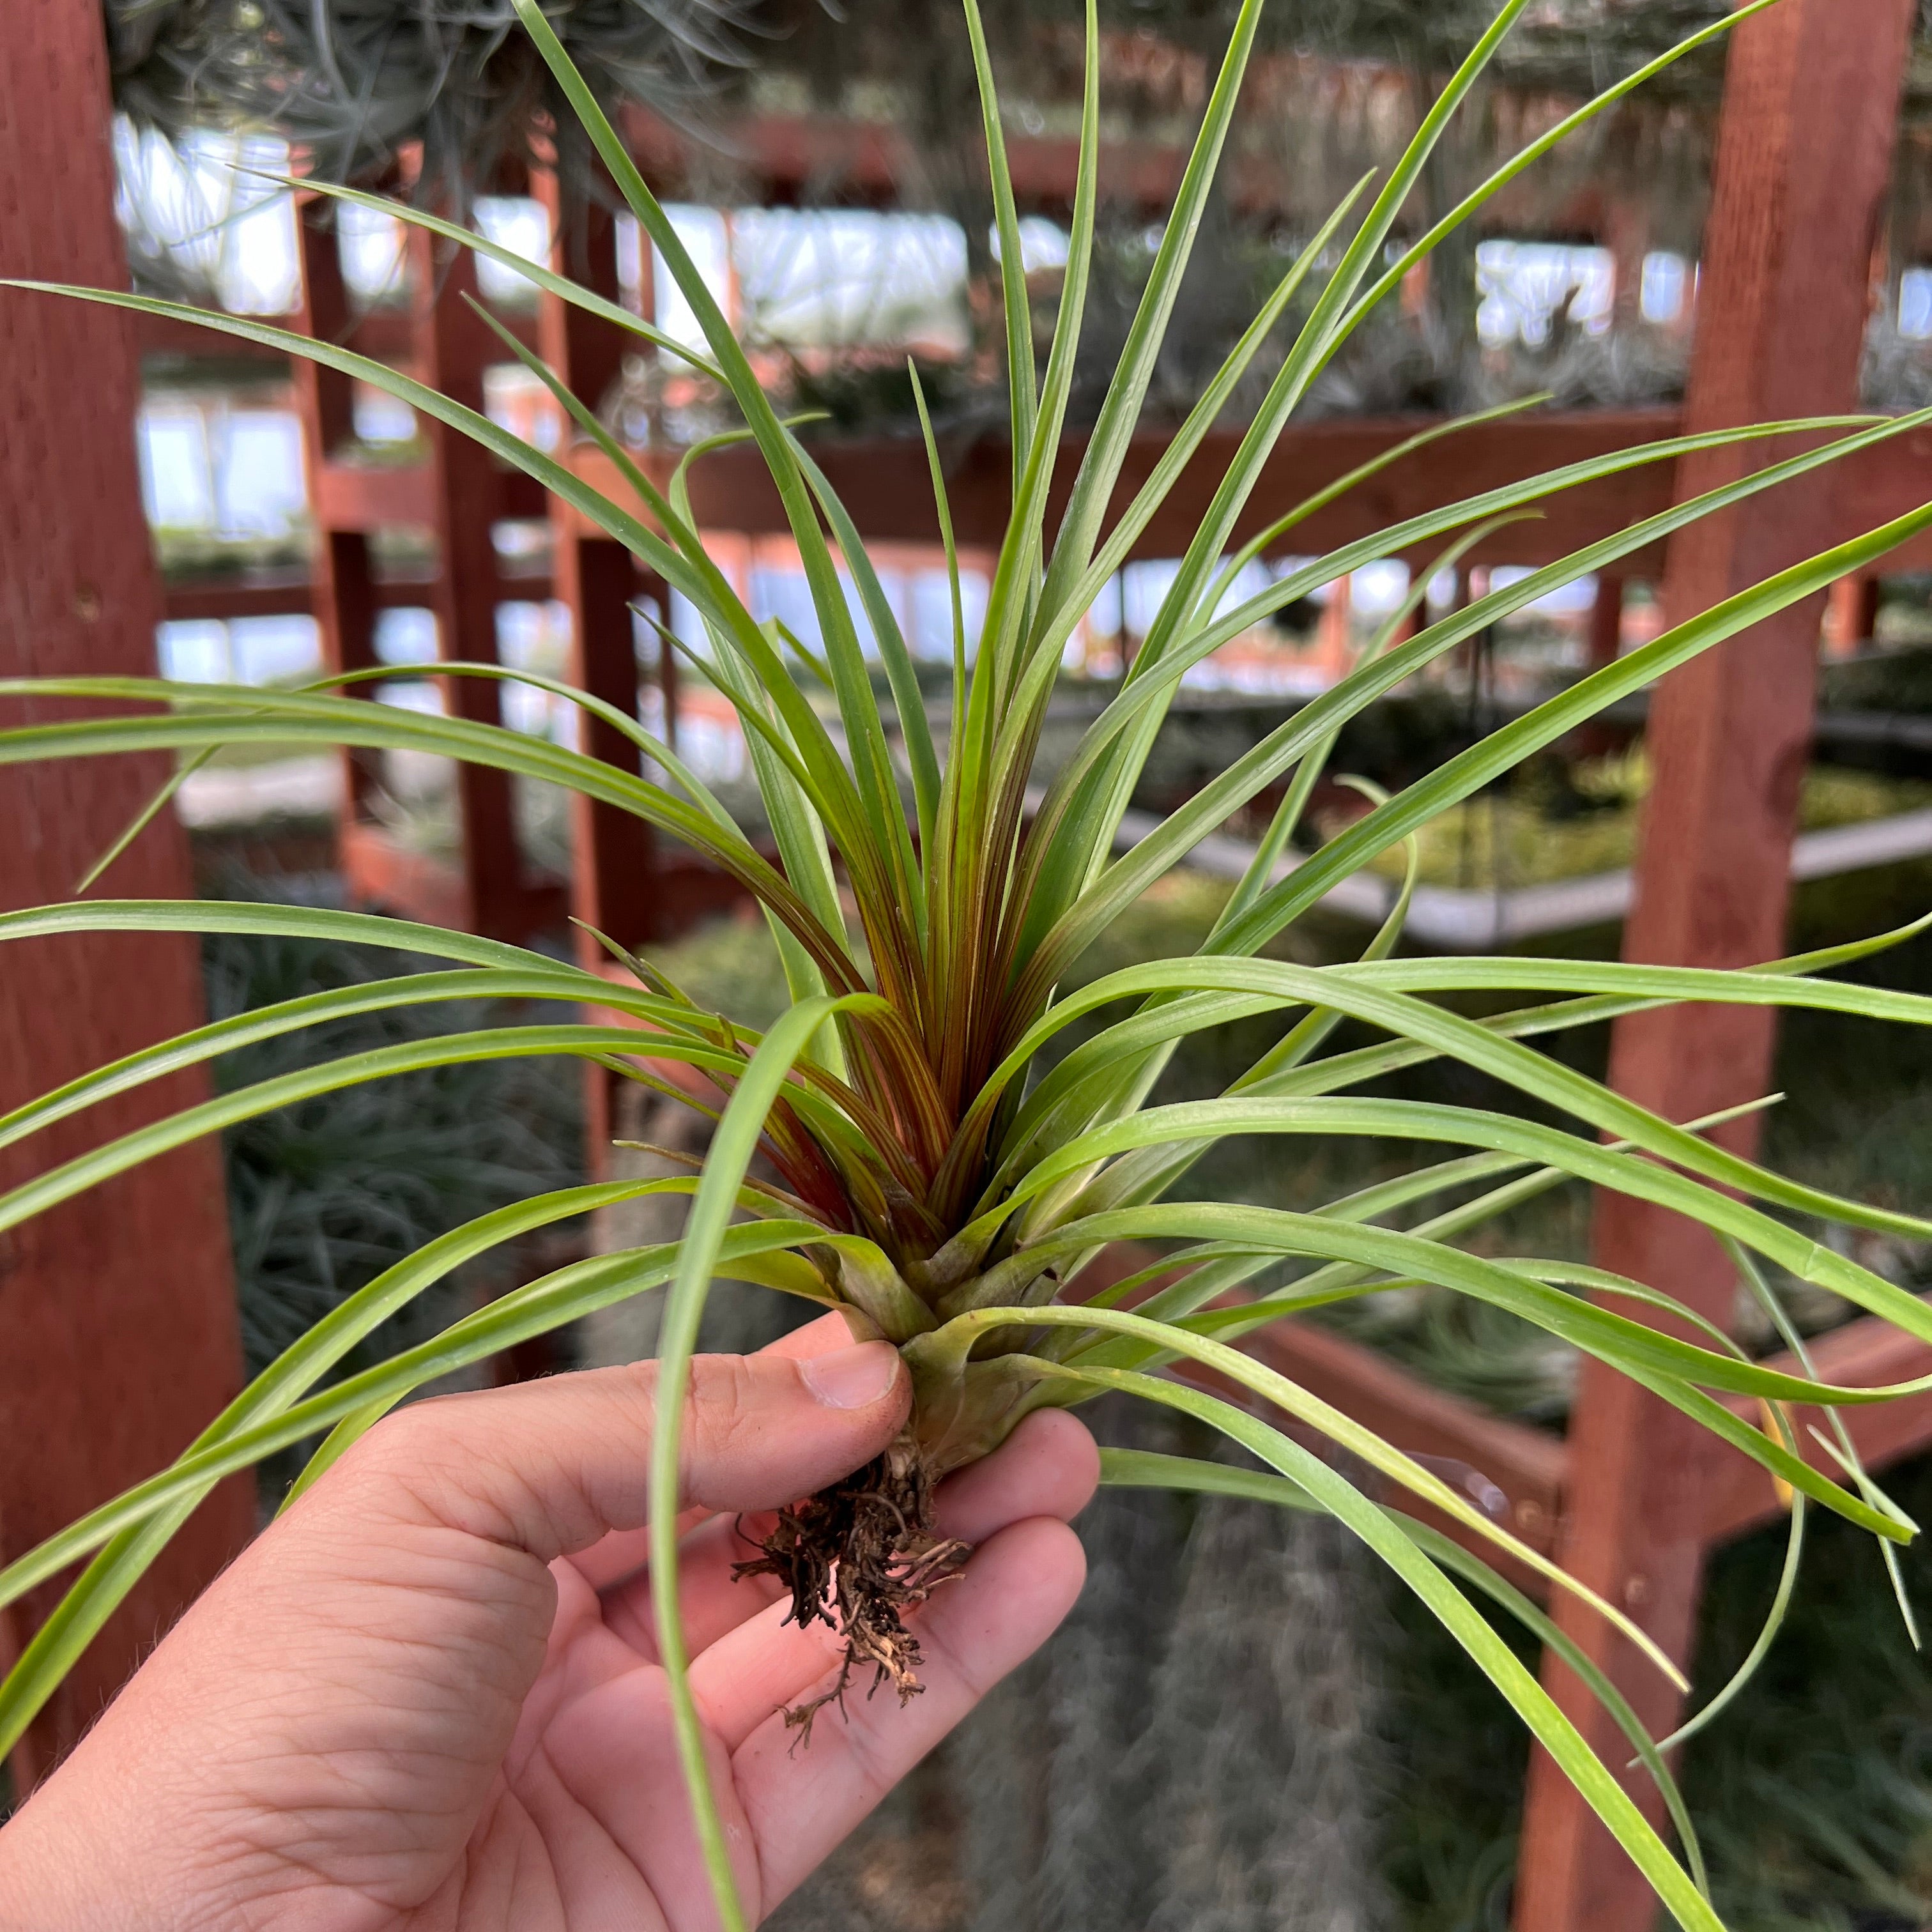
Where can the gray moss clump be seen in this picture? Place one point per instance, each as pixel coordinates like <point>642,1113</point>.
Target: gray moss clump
<point>1198,1749</point>
<point>354,82</point>
<point>324,1195</point>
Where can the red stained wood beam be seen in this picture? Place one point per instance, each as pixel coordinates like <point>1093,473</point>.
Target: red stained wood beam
<point>222,599</point>
<point>613,853</point>
<point>1866,1353</point>
<point>1803,150</point>
<point>378,870</point>
<point>385,496</point>
<point>785,159</point>
<point>615,875</point>
<point>885,484</point>
<point>384,334</point>
<point>367,497</point>
<point>341,568</point>
<point>119,1309</point>
<point>1516,1473</point>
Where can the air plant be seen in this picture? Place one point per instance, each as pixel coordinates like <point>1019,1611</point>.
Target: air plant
<point>930,1180</point>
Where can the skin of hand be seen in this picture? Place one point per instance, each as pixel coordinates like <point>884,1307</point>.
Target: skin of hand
<point>428,1696</point>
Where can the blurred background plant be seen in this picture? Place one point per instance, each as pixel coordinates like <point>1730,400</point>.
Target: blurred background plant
<point>325,1195</point>
<point>356,82</point>
<point>317,1209</point>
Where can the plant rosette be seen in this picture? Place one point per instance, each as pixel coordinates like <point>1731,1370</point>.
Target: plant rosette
<point>899,1143</point>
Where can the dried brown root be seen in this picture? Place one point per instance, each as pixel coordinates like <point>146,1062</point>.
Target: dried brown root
<point>856,1557</point>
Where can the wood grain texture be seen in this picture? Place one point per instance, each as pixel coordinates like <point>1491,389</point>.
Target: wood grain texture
<point>118,1309</point>
<point>1803,149</point>
<point>455,347</point>
<point>613,853</point>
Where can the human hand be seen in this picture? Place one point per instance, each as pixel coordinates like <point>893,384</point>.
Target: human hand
<point>428,1696</point>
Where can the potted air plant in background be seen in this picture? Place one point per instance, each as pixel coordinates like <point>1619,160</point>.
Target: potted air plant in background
<point>928,1178</point>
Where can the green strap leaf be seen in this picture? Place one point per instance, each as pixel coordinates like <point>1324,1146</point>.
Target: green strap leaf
<point>932,1354</point>
<point>1398,1546</point>
<point>85,1171</point>
<point>563,1296</point>
<point>1144,1469</point>
<point>57,1645</point>
<point>705,1234</point>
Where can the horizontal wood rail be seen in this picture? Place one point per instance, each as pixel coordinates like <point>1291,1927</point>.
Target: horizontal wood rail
<point>885,484</point>
<point>1522,1474</point>
<point>380,871</point>
<point>281,594</point>
<point>384,334</point>
<point>1865,1353</point>
<point>778,159</point>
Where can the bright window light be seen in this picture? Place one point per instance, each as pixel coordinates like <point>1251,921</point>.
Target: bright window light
<point>193,650</point>
<point>177,471</point>
<point>274,650</point>
<point>371,246</point>
<point>1525,286</point>
<point>198,204</point>
<point>845,277</point>
<point>521,224</point>
<point>405,634</point>
<point>260,486</point>
<point>1377,589</point>
<point>1666,278</point>
<point>1915,304</point>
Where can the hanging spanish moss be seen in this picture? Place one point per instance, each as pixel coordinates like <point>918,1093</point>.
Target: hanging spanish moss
<point>356,82</point>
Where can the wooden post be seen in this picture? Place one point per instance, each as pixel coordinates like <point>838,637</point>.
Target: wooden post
<point>455,346</point>
<point>341,583</point>
<point>658,591</point>
<point>1627,236</point>
<point>1851,617</point>
<point>1607,622</point>
<point>457,495</point>
<point>613,856</point>
<point>1803,147</point>
<point>119,1309</point>
<point>1334,631</point>
<point>1602,640</point>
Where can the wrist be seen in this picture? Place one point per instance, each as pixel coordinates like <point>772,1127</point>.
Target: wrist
<point>40,1886</point>
<point>74,1859</point>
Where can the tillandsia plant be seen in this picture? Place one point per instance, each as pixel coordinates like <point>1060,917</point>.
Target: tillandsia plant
<point>925,1171</point>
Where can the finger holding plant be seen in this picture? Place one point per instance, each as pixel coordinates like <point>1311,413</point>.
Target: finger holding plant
<point>890,1147</point>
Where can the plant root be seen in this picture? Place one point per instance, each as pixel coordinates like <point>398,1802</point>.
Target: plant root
<point>856,1557</point>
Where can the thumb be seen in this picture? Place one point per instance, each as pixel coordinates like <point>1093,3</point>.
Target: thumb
<point>549,1467</point>
<point>338,1701</point>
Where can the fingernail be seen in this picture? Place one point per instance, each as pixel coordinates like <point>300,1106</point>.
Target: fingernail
<point>852,1378</point>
